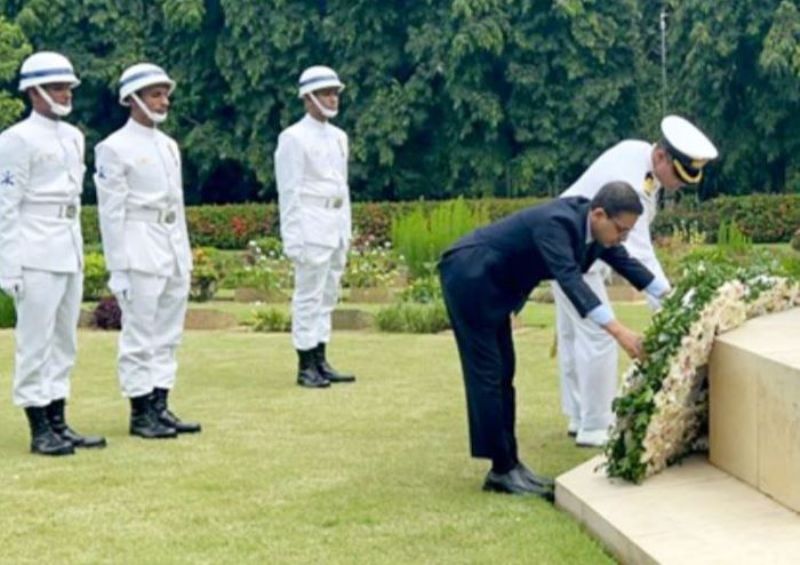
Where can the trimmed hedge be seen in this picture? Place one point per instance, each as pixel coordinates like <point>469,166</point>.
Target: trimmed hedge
<point>764,218</point>
<point>232,226</point>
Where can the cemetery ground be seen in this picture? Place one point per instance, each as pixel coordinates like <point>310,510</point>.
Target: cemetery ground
<point>374,472</point>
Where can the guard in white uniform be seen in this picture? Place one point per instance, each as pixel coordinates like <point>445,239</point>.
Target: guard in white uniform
<point>311,172</point>
<point>146,246</point>
<point>41,249</point>
<point>587,355</point>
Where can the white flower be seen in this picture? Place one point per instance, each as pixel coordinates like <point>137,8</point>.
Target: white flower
<point>680,406</point>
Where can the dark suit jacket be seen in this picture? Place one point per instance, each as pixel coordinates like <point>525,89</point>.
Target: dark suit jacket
<point>491,271</point>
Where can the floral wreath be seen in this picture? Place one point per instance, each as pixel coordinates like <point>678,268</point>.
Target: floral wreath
<point>662,412</point>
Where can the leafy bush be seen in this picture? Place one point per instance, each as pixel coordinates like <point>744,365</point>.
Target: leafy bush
<point>370,267</point>
<point>671,250</point>
<point>422,236</point>
<point>795,242</point>
<point>107,314</point>
<point>271,320</point>
<point>423,290</point>
<point>766,218</point>
<point>735,250</point>
<point>262,272</point>
<point>8,313</point>
<point>270,247</point>
<point>95,276</point>
<point>204,274</point>
<point>408,317</point>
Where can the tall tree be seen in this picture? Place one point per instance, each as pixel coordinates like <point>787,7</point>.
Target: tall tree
<point>737,70</point>
<point>14,47</point>
<point>573,73</point>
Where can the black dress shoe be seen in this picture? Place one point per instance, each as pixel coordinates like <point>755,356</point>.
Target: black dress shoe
<point>514,483</point>
<point>532,477</point>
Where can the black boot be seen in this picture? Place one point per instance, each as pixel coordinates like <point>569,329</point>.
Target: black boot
<point>165,415</point>
<point>43,440</point>
<point>307,373</point>
<point>327,371</point>
<point>144,422</point>
<point>55,416</point>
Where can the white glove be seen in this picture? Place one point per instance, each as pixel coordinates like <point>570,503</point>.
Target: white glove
<point>120,284</point>
<point>13,287</point>
<point>295,254</point>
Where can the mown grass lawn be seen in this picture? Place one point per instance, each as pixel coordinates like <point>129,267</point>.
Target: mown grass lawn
<point>375,472</point>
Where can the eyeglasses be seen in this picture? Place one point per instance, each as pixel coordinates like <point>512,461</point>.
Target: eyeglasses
<point>622,230</point>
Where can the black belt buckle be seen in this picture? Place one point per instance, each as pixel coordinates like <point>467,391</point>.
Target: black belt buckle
<point>170,217</point>
<point>70,211</point>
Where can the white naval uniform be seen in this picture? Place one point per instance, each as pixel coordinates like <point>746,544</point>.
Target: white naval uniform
<point>143,225</point>
<point>587,355</point>
<point>41,179</point>
<point>314,199</point>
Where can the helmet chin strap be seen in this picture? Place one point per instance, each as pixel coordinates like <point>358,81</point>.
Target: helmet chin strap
<point>325,111</point>
<point>152,116</point>
<point>59,110</point>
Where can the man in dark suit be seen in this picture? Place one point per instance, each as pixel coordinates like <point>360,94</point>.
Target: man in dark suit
<point>489,274</point>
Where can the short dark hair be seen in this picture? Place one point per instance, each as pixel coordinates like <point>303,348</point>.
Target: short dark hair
<point>617,197</point>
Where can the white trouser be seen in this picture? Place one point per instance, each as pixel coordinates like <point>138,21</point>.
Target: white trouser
<point>587,359</point>
<point>316,289</point>
<point>46,336</point>
<point>152,326</point>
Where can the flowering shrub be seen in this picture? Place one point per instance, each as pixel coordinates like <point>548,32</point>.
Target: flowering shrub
<point>370,266</point>
<point>270,247</point>
<point>663,406</point>
<point>267,271</point>
<point>230,226</point>
<point>423,290</point>
<point>204,274</point>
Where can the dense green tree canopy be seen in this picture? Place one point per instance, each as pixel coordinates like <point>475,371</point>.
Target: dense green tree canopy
<point>13,48</point>
<point>443,98</point>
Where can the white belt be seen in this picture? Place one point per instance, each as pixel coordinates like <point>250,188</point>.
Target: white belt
<point>151,215</point>
<point>65,211</point>
<point>321,201</point>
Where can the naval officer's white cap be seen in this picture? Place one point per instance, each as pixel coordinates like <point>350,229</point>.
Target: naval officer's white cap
<point>689,148</point>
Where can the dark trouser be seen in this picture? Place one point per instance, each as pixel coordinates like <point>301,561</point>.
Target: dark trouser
<point>487,361</point>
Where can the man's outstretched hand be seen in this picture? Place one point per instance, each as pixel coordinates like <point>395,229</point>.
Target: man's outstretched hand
<point>630,341</point>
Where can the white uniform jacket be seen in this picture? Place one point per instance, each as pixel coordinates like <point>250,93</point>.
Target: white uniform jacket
<point>314,199</point>
<point>41,179</point>
<point>630,161</point>
<point>140,198</point>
